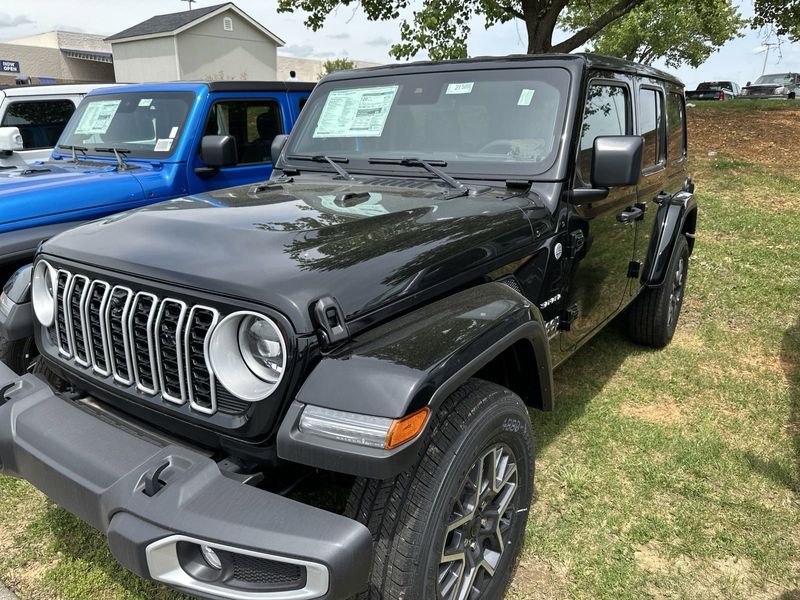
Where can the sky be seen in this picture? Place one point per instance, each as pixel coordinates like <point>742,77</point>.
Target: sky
<point>347,33</point>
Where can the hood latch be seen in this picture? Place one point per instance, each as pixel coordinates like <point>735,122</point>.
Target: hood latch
<point>330,318</point>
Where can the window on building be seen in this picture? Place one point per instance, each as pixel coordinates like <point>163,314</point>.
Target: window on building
<point>40,122</point>
<point>606,113</point>
<point>676,127</point>
<point>651,126</point>
<point>253,123</point>
<point>227,24</point>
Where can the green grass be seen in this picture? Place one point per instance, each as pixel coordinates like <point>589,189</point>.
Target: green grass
<point>674,474</point>
<point>670,474</point>
<point>741,104</point>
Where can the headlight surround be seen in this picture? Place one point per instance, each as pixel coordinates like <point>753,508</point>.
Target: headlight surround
<point>247,353</point>
<point>43,293</point>
<point>781,89</point>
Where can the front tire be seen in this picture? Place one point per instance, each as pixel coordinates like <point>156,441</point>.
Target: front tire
<point>653,316</point>
<point>19,355</point>
<point>452,526</point>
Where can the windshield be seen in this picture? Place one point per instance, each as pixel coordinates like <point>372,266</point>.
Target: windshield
<point>471,123</point>
<point>781,78</point>
<point>715,85</point>
<point>147,124</point>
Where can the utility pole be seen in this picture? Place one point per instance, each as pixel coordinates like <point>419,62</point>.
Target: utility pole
<point>190,3</point>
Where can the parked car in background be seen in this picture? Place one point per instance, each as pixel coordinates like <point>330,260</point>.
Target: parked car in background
<point>38,113</point>
<point>126,147</point>
<point>715,90</point>
<point>319,387</point>
<point>777,86</point>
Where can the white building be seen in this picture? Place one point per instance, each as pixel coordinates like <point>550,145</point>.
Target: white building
<point>207,43</point>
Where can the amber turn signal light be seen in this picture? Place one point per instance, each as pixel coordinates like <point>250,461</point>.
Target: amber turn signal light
<point>407,428</point>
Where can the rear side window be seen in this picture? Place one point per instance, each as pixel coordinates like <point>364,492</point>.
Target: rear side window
<point>40,122</point>
<point>606,113</point>
<point>253,123</point>
<point>651,126</point>
<point>676,127</point>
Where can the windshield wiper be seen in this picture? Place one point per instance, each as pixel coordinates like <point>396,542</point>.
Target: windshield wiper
<point>332,161</point>
<point>80,149</point>
<point>118,153</point>
<point>430,167</point>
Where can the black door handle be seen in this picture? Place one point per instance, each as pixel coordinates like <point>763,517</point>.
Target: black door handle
<point>630,214</point>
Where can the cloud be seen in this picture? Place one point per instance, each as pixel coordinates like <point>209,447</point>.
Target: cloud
<point>339,36</point>
<point>7,20</point>
<point>379,41</point>
<point>305,51</point>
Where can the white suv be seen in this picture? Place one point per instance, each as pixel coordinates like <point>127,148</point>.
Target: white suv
<point>32,117</point>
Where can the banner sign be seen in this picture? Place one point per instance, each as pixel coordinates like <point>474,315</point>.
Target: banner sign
<point>9,66</point>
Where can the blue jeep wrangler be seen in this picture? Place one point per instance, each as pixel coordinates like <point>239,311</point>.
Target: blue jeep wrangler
<point>127,147</point>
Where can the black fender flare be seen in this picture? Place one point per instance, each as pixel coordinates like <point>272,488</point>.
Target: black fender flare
<point>674,217</point>
<point>414,361</point>
<point>16,311</point>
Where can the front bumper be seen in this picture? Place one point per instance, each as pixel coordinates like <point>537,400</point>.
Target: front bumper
<point>98,467</point>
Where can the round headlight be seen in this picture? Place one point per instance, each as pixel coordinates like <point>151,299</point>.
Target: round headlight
<point>43,293</point>
<point>247,353</point>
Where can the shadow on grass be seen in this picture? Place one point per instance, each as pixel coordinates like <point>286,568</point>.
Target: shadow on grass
<point>581,378</point>
<point>773,469</point>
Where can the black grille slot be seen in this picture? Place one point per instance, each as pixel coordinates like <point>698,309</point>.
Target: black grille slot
<point>141,340</point>
<point>117,332</point>
<point>97,294</point>
<point>200,378</point>
<point>228,403</point>
<point>258,572</point>
<point>169,328</point>
<point>61,320</point>
<point>76,315</point>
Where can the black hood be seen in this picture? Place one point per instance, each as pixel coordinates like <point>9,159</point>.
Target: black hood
<point>288,245</point>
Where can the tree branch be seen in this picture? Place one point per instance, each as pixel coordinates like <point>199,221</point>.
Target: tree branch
<point>620,9</point>
<point>508,8</point>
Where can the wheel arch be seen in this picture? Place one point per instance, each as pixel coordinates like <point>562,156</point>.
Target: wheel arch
<point>677,216</point>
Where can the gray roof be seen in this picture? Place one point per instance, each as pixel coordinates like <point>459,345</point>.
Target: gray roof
<point>165,23</point>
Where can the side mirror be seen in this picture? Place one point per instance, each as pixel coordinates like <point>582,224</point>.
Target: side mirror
<point>218,151</point>
<point>277,147</point>
<point>748,83</point>
<point>617,160</point>
<point>10,140</point>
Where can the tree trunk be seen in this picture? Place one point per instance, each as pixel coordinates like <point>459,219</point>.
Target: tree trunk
<point>540,22</point>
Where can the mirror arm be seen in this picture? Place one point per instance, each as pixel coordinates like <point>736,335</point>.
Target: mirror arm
<point>580,195</point>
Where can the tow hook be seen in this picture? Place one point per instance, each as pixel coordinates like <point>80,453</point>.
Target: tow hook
<point>152,480</point>
<point>7,389</point>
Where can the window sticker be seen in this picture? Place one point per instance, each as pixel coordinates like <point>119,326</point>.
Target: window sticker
<point>525,97</point>
<point>368,208</point>
<point>163,145</point>
<point>355,113</point>
<point>145,102</point>
<point>97,117</point>
<point>173,133</point>
<point>460,88</point>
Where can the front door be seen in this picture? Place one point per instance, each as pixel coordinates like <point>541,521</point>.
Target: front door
<point>604,245</point>
<point>253,123</point>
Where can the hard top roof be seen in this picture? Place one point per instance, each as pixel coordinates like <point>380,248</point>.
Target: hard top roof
<point>590,60</point>
<point>212,86</point>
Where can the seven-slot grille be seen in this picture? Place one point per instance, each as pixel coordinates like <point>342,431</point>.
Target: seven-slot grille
<point>158,345</point>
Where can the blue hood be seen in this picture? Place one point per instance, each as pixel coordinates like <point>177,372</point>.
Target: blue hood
<point>58,192</point>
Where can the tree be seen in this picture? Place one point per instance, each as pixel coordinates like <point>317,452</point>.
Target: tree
<point>783,16</point>
<point>678,31</point>
<point>337,64</point>
<point>441,26</point>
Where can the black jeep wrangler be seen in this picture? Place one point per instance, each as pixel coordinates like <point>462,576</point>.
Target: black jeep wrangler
<point>318,387</point>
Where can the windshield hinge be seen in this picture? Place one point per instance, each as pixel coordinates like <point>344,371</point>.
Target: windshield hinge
<point>330,318</point>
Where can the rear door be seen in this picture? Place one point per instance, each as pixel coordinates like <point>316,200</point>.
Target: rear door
<point>253,120</point>
<point>599,278</point>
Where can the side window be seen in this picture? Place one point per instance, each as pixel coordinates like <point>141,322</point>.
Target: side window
<point>606,113</point>
<point>253,123</point>
<point>676,127</point>
<point>651,126</point>
<point>40,122</point>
